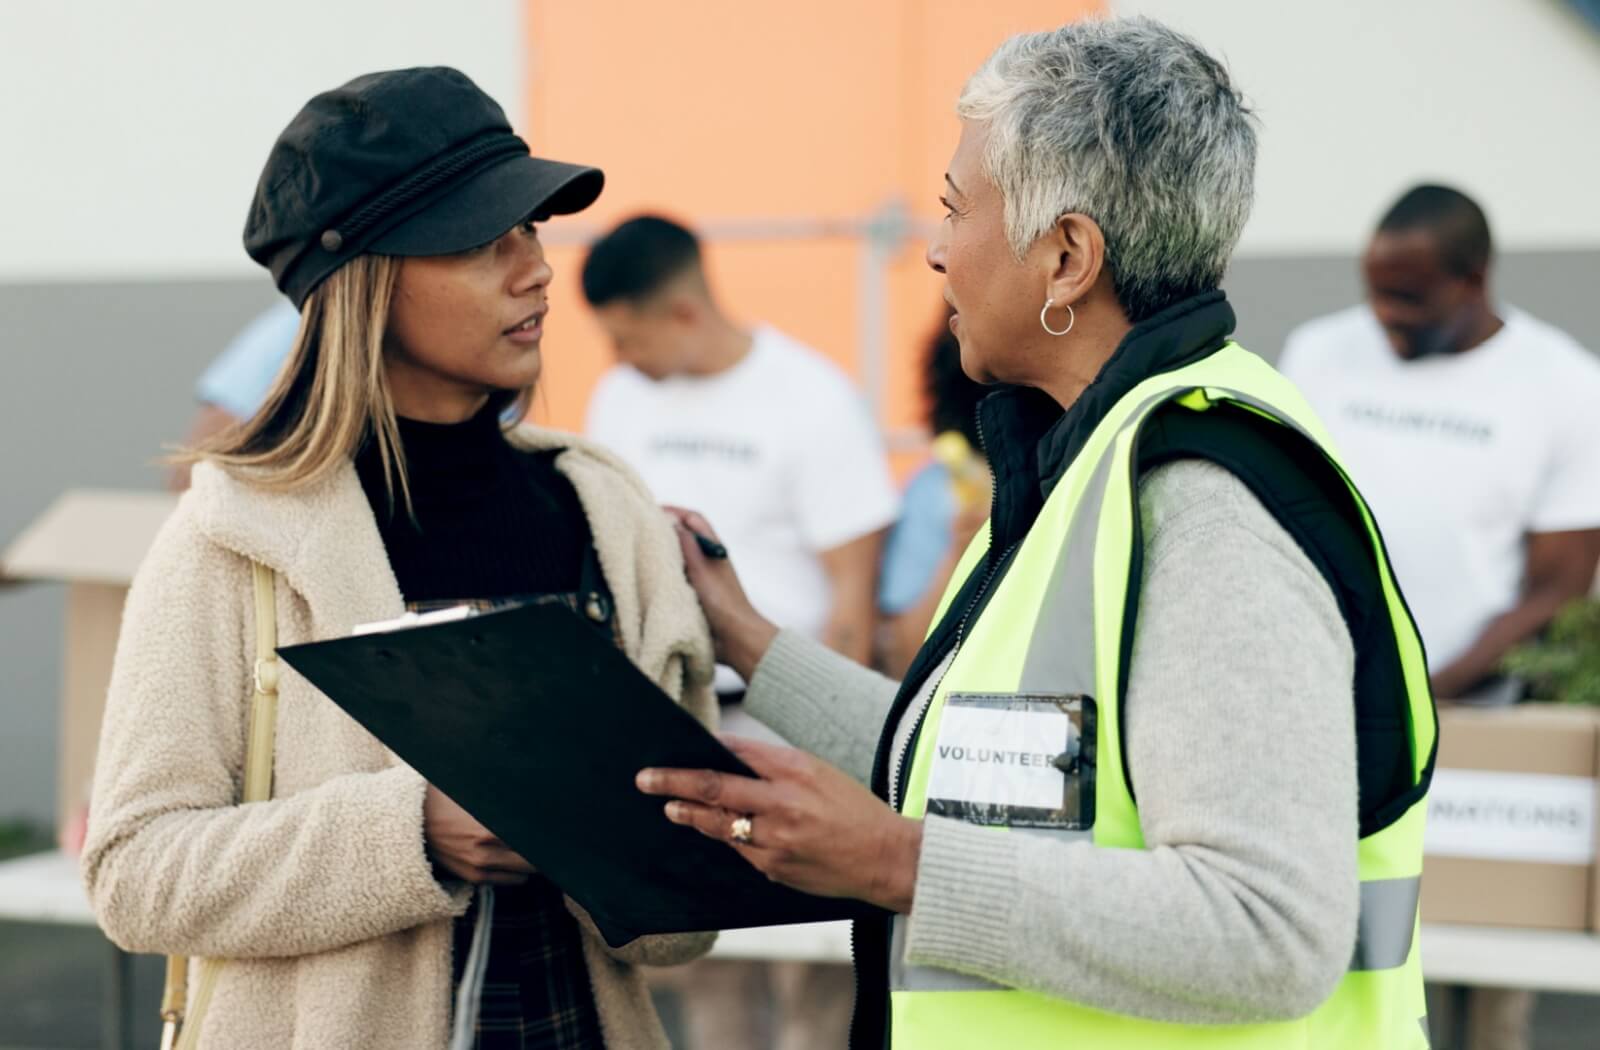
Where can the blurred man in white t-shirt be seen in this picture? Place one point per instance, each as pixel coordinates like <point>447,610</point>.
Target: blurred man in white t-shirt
<point>775,446</point>
<point>1474,433</point>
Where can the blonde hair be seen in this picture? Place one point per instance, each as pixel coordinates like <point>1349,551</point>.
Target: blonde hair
<point>332,394</point>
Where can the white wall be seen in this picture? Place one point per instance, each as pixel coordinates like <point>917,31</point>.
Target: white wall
<point>1361,98</point>
<point>134,130</point>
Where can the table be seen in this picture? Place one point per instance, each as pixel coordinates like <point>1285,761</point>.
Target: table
<point>816,942</point>
<point>1503,957</point>
<point>1497,957</point>
<point>45,888</point>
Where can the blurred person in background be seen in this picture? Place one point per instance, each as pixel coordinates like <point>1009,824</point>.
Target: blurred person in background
<point>1474,431</point>
<point>399,215</point>
<point>945,503</point>
<point>1158,775</point>
<point>748,421</point>
<point>234,385</point>
<point>772,438</point>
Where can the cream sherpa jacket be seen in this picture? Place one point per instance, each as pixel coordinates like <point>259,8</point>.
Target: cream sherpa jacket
<point>323,899</point>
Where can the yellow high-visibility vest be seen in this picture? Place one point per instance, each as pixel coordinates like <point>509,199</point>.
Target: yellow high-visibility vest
<point>1055,625</point>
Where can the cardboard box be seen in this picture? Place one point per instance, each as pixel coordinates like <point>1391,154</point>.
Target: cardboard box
<point>92,540</point>
<point>1511,837</point>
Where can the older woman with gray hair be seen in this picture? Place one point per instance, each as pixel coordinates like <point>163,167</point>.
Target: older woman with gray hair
<point>1157,776</point>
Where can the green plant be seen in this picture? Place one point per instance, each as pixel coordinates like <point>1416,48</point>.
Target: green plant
<point>1563,664</point>
<point>19,837</point>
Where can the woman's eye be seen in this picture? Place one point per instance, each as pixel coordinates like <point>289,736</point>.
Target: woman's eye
<point>530,227</point>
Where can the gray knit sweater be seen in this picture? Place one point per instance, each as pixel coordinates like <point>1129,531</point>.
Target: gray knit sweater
<point>1241,748</point>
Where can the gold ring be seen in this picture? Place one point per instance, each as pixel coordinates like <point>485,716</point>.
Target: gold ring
<point>740,830</point>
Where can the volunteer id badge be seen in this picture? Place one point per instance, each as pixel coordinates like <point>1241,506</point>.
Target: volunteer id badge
<point>1022,760</point>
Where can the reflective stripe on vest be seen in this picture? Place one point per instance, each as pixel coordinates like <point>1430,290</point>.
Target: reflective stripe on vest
<point>1054,625</point>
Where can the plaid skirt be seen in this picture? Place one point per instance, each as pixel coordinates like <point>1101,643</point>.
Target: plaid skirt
<point>536,993</point>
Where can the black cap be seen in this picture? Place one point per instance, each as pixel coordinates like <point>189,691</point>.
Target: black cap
<point>407,162</point>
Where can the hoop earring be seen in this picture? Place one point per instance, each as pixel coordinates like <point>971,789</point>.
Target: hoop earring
<point>1072,318</point>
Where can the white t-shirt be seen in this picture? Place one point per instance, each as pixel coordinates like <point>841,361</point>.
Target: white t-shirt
<point>1459,456</point>
<point>779,453</point>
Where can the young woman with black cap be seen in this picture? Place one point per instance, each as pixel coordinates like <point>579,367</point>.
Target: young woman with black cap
<point>399,214</point>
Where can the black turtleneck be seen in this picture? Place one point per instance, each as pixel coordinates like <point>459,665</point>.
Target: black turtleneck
<point>490,521</point>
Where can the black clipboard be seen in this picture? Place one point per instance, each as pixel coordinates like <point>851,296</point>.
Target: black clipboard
<point>536,724</point>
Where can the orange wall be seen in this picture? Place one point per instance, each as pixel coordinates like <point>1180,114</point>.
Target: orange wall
<point>718,110</point>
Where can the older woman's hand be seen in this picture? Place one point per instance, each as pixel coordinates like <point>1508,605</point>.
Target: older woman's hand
<point>741,635</point>
<point>811,826</point>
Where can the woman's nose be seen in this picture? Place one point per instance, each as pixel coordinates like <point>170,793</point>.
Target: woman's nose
<point>533,270</point>
<point>935,253</point>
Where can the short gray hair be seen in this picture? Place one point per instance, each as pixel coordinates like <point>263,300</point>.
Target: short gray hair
<point>1134,125</point>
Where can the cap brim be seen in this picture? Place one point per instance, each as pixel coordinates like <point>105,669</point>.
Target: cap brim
<point>490,203</point>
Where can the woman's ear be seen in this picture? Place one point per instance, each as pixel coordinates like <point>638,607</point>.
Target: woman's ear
<point>1076,256</point>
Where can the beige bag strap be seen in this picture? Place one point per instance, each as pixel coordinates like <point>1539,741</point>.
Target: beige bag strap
<point>177,1032</point>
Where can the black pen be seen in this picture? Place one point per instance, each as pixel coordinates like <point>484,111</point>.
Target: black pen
<point>709,547</point>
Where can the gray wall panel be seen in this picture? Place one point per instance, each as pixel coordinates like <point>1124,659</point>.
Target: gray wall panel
<point>97,378</point>
<point>1273,295</point>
